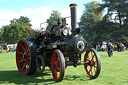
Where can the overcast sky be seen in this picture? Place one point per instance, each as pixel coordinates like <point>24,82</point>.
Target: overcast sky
<point>37,10</point>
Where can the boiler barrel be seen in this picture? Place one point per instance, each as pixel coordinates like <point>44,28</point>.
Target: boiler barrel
<point>76,45</point>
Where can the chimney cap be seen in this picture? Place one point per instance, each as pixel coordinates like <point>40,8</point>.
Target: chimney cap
<point>73,5</point>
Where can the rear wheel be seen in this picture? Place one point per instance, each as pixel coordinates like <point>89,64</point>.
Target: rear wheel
<point>25,56</point>
<point>94,65</point>
<point>57,65</point>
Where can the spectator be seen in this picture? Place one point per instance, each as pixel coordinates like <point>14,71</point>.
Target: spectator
<point>1,47</point>
<point>122,47</point>
<point>98,47</point>
<point>119,47</point>
<point>103,47</point>
<point>110,49</point>
<point>8,48</point>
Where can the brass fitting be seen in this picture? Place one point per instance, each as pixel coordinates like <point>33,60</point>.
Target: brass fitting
<point>73,5</point>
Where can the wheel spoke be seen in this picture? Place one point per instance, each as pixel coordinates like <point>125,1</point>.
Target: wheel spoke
<point>27,51</point>
<point>28,62</point>
<point>58,68</point>
<point>56,63</point>
<point>58,60</point>
<point>21,53</point>
<point>90,69</point>
<point>87,59</point>
<point>26,46</point>
<point>24,65</point>
<point>22,60</point>
<point>92,58</point>
<point>95,66</point>
<point>23,48</point>
<point>27,56</point>
<point>92,55</point>
<point>91,73</point>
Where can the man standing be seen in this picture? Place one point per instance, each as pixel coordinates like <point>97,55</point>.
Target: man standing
<point>110,49</point>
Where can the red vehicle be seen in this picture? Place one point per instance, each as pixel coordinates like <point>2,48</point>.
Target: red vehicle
<point>57,49</point>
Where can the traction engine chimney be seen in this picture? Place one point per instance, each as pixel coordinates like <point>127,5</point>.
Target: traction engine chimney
<point>73,17</point>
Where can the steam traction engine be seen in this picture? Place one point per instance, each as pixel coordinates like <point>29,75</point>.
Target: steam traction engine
<point>57,49</point>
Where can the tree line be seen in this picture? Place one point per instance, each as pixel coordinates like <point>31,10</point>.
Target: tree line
<point>110,27</point>
<point>16,30</point>
<point>95,25</point>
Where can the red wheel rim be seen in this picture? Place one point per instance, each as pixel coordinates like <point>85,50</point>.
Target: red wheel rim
<point>91,68</point>
<point>22,57</point>
<point>56,65</point>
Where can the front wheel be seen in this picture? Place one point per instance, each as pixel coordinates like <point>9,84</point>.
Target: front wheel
<point>93,66</point>
<point>57,65</point>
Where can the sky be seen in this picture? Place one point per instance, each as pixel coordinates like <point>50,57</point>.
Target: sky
<point>38,10</point>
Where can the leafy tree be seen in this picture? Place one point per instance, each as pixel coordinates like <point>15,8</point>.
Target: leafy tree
<point>55,15</point>
<point>1,33</point>
<point>105,31</point>
<point>22,19</point>
<point>118,27</point>
<point>16,30</point>
<point>117,7</point>
<point>89,20</point>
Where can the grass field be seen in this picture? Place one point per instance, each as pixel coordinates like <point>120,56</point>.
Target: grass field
<point>114,71</point>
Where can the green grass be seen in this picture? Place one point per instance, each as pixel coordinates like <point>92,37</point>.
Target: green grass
<point>3,51</point>
<point>114,71</point>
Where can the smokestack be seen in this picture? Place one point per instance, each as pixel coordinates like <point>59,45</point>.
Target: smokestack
<point>73,17</point>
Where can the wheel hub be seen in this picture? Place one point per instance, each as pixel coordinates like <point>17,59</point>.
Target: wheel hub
<point>91,63</point>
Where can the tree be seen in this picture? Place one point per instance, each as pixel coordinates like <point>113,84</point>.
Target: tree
<point>1,33</point>
<point>89,19</point>
<point>16,30</point>
<point>22,19</point>
<point>117,7</point>
<point>55,15</point>
<point>118,28</point>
